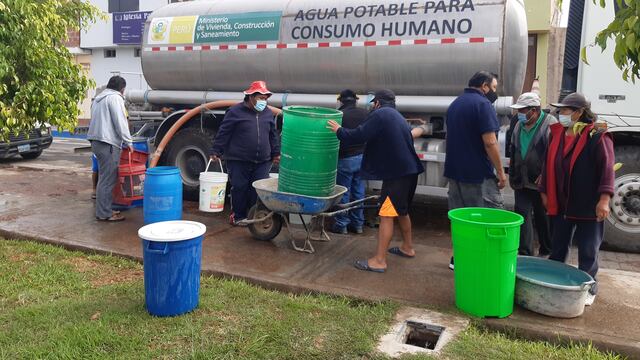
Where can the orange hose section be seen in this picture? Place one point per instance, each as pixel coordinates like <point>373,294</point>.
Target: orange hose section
<point>186,117</point>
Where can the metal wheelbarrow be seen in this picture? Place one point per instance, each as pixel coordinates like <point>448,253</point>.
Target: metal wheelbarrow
<point>273,207</point>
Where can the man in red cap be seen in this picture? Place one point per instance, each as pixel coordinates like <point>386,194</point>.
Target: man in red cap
<point>248,142</point>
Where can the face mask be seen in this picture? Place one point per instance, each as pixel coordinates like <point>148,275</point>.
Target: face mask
<point>522,118</point>
<point>492,96</point>
<point>260,105</point>
<point>565,120</point>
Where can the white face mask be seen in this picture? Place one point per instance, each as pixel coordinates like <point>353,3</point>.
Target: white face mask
<point>565,120</point>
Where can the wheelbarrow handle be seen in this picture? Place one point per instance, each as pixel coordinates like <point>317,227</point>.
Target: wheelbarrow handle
<point>356,202</point>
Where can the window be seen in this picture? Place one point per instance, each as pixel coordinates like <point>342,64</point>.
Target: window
<point>123,5</point>
<point>109,53</point>
<point>137,52</point>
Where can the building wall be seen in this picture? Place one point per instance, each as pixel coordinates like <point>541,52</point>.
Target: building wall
<point>99,36</point>
<point>539,22</point>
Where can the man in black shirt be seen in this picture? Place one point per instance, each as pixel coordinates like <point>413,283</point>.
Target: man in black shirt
<point>349,162</point>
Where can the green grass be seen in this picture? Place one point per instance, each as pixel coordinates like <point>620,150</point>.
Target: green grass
<point>58,304</point>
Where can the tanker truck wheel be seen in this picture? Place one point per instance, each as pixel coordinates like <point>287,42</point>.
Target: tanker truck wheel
<point>622,230</point>
<point>189,152</point>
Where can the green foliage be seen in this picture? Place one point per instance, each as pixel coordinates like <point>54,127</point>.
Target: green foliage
<point>39,81</point>
<point>624,30</point>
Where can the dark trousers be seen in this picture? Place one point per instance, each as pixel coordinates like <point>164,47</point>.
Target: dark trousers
<point>529,205</point>
<point>241,175</point>
<point>588,235</point>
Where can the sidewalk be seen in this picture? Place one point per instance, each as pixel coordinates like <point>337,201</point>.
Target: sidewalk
<point>54,207</point>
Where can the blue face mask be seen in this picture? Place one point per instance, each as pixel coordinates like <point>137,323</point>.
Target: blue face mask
<point>522,117</point>
<point>260,105</point>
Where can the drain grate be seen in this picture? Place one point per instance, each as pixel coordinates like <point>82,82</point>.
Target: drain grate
<point>423,335</point>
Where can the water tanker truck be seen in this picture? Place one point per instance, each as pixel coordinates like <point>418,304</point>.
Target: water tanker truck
<point>207,52</point>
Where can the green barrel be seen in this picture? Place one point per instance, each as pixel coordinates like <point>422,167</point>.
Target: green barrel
<point>485,247</point>
<point>309,151</point>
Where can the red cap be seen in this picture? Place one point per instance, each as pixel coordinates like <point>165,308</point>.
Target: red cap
<point>258,87</point>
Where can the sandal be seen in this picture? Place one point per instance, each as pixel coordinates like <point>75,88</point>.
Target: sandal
<point>364,265</point>
<point>113,218</point>
<point>93,196</point>
<point>396,251</point>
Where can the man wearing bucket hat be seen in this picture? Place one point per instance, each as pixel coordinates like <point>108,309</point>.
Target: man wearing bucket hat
<point>248,141</point>
<point>528,149</point>
<point>389,156</point>
<point>577,183</point>
<point>349,163</point>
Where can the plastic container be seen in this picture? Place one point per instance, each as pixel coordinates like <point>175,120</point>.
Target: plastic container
<point>213,186</point>
<point>172,253</point>
<point>485,247</point>
<point>142,144</point>
<point>131,175</point>
<point>551,288</point>
<point>163,194</point>
<point>309,161</point>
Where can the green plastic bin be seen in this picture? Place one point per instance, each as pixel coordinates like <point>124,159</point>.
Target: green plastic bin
<point>308,165</point>
<point>485,247</point>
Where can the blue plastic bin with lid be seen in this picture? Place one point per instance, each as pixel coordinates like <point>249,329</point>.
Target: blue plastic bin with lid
<point>172,253</point>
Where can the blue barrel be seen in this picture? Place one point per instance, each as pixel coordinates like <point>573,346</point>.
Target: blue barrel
<point>162,194</point>
<point>141,144</point>
<point>172,253</point>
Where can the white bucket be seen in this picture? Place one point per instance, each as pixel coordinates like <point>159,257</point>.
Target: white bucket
<point>213,186</point>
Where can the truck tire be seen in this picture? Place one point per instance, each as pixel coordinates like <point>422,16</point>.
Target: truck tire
<point>622,228</point>
<point>189,152</point>
<point>31,155</point>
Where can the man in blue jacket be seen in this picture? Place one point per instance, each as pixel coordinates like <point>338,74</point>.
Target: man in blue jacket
<point>248,141</point>
<point>389,156</point>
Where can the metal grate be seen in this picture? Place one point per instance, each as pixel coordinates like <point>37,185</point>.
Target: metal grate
<point>34,134</point>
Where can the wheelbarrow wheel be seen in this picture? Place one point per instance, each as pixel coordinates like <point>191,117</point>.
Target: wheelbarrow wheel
<point>267,229</point>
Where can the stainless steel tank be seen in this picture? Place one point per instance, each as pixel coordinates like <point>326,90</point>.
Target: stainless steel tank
<point>424,48</point>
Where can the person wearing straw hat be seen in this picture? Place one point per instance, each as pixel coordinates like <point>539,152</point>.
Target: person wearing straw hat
<point>577,183</point>
<point>528,149</point>
<point>248,141</point>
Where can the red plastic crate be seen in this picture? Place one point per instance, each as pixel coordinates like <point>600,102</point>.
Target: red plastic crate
<point>130,186</point>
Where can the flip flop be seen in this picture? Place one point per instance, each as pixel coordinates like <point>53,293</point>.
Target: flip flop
<point>113,218</point>
<point>364,265</point>
<point>396,251</point>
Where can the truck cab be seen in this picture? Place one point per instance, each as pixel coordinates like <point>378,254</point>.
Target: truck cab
<point>615,102</point>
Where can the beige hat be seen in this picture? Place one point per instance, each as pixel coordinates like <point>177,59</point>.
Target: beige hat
<point>529,99</point>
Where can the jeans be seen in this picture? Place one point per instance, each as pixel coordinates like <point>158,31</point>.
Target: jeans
<point>349,177</point>
<point>529,205</point>
<point>485,194</point>
<point>241,175</point>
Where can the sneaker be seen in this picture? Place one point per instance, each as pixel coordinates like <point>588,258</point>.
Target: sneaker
<point>338,230</point>
<point>356,229</point>
<point>590,299</point>
<point>451,264</point>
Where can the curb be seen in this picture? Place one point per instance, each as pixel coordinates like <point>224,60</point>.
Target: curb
<point>520,329</point>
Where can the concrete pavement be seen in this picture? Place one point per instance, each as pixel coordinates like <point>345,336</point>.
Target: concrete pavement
<point>53,205</point>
